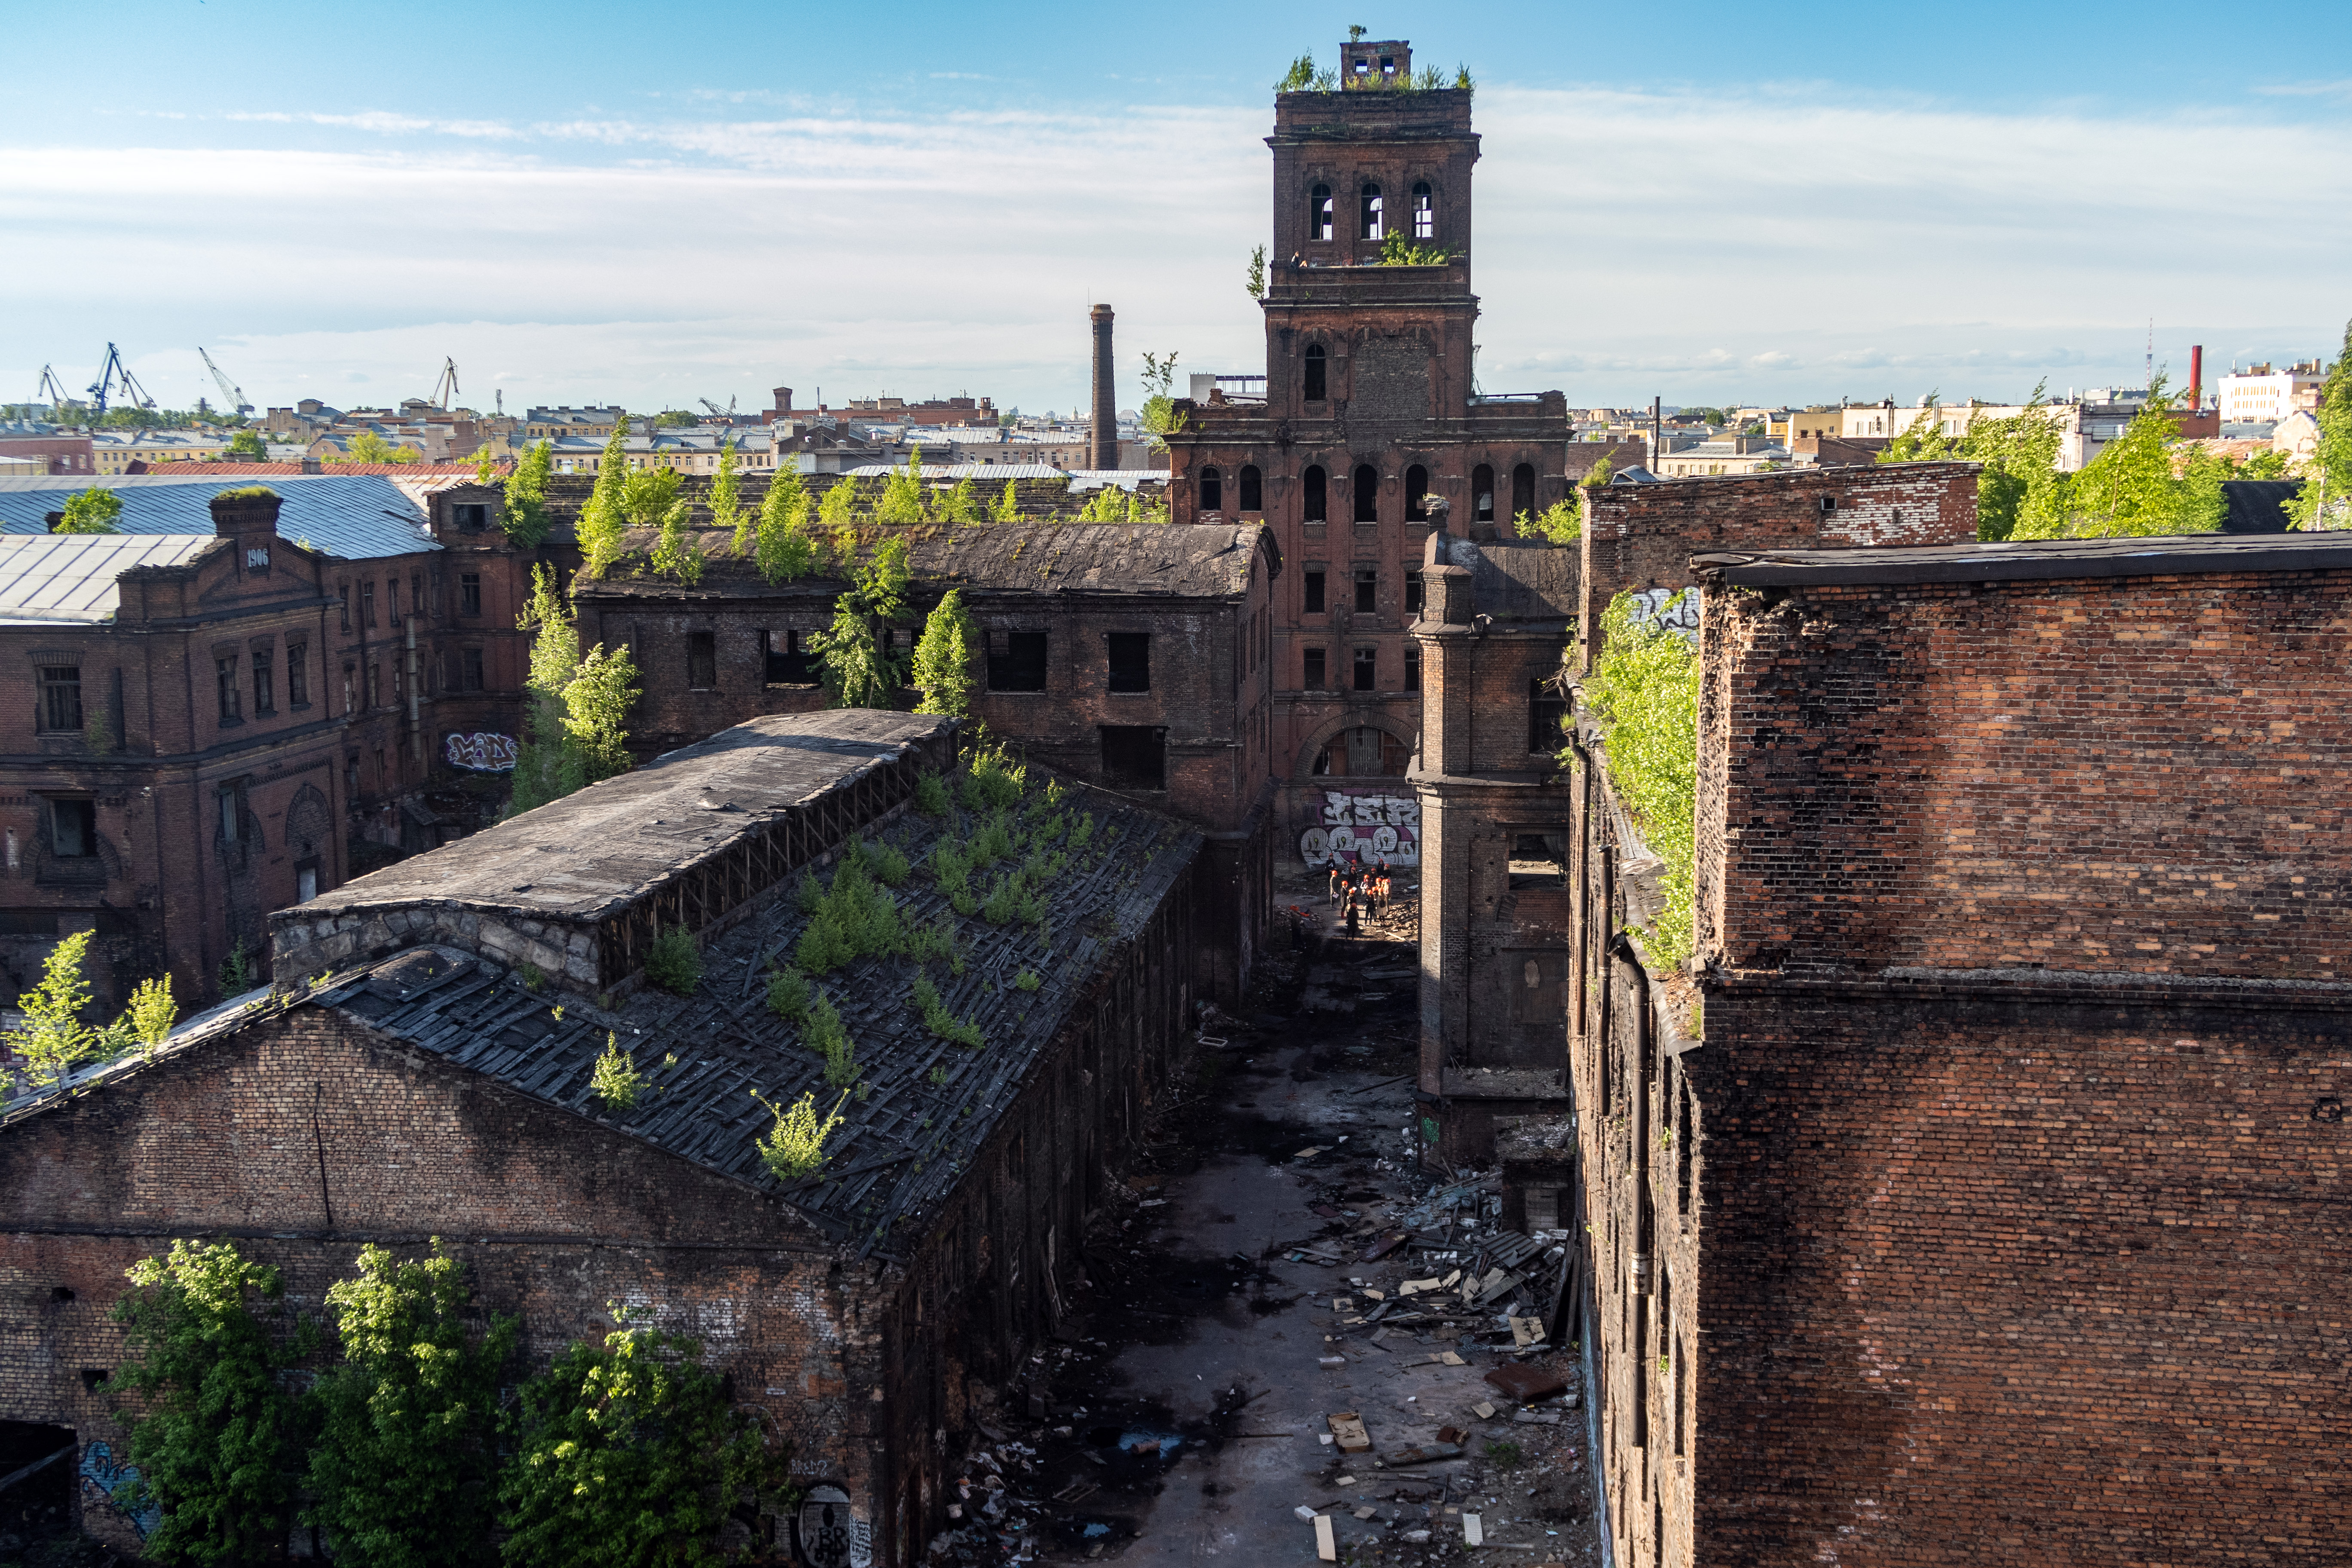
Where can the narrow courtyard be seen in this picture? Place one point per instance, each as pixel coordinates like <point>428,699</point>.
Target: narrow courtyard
<point>1270,1359</point>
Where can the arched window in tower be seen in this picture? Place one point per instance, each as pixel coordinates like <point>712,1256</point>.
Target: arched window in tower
<point>1373,226</point>
<point>1416,491</point>
<point>1213,490</point>
<point>1318,212</point>
<point>1368,493</point>
<point>1316,491</point>
<point>1316,365</point>
<point>1523,490</point>
<point>1482,494</point>
<point>1424,212</point>
<point>1252,492</point>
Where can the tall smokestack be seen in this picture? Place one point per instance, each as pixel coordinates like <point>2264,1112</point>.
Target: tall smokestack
<point>1103,451</point>
<point>2196,376</point>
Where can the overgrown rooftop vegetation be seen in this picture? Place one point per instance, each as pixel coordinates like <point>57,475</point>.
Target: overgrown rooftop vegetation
<point>1642,692</point>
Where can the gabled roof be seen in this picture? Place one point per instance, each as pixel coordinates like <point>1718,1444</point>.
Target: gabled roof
<point>359,517</point>
<point>71,576</point>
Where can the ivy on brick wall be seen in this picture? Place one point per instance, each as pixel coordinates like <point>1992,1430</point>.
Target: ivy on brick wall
<point>1643,690</point>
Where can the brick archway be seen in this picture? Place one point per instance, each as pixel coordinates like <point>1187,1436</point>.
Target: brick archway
<point>1303,772</point>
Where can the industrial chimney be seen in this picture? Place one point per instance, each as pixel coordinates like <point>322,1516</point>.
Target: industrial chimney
<point>2196,376</point>
<point>1103,445</point>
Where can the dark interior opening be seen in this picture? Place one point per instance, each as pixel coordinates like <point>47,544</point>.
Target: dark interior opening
<point>789,663</point>
<point>1016,662</point>
<point>1253,490</point>
<point>702,660</point>
<point>1482,493</point>
<point>1368,493</point>
<point>1135,756</point>
<point>1317,494</point>
<point>1213,490</point>
<point>1130,661</point>
<point>1523,490</point>
<point>1416,492</point>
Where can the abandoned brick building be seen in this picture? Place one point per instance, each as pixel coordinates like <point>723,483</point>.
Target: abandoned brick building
<point>869,1315</point>
<point>1128,655</point>
<point>1491,804</point>
<point>235,704</point>
<point>1972,1197</point>
<point>1372,406</point>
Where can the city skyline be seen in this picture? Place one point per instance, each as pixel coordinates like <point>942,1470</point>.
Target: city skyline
<point>1714,215</point>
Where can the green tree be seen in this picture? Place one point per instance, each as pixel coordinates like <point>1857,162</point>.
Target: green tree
<point>523,510</point>
<point>1300,76</point>
<point>1158,414</point>
<point>784,551</point>
<point>1256,281</point>
<point>1923,440</point>
<point>946,659</point>
<point>837,508</point>
<point>963,503</point>
<point>405,1470</point>
<point>603,527</point>
<point>216,1438</point>
<point>859,673</point>
<point>546,768</point>
<point>653,499</point>
<point>245,446</point>
<point>93,510</point>
<point>596,711</point>
<point>627,1455</point>
<point>1008,505</point>
<point>53,1037</point>
<point>725,511</point>
<point>2129,489</point>
<point>367,446</point>
<point>902,494</point>
<point>2326,500</point>
<point>1643,689</point>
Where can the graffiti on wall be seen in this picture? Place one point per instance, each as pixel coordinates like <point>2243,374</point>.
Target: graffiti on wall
<point>101,1478</point>
<point>1364,827</point>
<point>831,1534</point>
<point>481,751</point>
<point>1673,609</point>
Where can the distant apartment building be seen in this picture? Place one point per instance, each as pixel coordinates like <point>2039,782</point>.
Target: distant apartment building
<point>1720,454</point>
<point>2260,395</point>
<point>113,451</point>
<point>54,451</point>
<point>554,424</point>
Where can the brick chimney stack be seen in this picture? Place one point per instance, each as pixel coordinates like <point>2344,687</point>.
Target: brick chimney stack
<point>1103,443</point>
<point>2196,376</point>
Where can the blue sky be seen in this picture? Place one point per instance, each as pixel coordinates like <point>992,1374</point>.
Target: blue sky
<point>651,204</point>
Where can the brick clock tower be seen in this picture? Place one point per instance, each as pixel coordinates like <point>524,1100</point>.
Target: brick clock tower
<point>1372,422</point>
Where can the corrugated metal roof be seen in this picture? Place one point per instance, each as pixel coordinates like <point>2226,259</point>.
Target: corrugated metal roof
<point>1080,479</point>
<point>71,577</point>
<point>359,517</point>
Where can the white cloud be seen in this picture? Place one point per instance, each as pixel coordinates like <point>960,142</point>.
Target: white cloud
<point>1790,244</point>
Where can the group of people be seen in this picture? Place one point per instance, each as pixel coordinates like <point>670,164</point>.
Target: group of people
<point>1357,888</point>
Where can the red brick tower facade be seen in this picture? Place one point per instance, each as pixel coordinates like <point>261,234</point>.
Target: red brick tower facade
<point>1371,419</point>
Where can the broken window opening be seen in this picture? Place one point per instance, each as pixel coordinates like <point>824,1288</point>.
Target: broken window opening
<point>1130,661</point>
<point>788,663</point>
<point>1547,710</point>
<point>1368,669</point>
<point>1482,490</point>
<point>1416,493</point>
<point>1523,491</point>
<point>471,517</point>
<point>1424,212</point>
<point>297,675</point>
<point>225,674</point>
<point>1412,591</point>
<point>1412,669</point>
<point>1016,662</point>
<point>73,828</point>
<point>469,594</point>
<point>1368,493</point>
<point>1311,585</point>
<point>1253,490</point>
<point>1317,382</point>
<point>61,697</point>
<point>1313,676</point>
<point>1372,226</point>
<point>1213,490</point>
<point>469,674</point>
<point>1536,860</point>
<point>1135,756</point>
<point>1367,590</point>
<point>701,661</point>
<point>367,603</point>
<point>1316,491</point>
<point>265,687</point>
<point>1319,214</point>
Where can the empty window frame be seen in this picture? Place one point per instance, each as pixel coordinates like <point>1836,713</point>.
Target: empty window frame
<point>1372,224</point>
<point>1367,590</point>
<point>701,661</point>
<point>1424,212</point>
<point>1312,672</point>
<point>224,681</point>
<point>471,517</point>
<point>469,669</point>
<point>1311,585</point>
<point>265,681</point>
<point>372,696</point>
<point>1211,491</point>
<point>1016,662</point>
<point>1523,491</point>
<point>1130,660</point>
<point>392,599</point>
<point>1318,381</point>
<point>1536,859</point>
<point>1368,669</point>
<point>1413,666</point>
<point>1318,212</point>
<point>1364,751</point>
<point>1366,489</point>
<point>1546,708</point>
<point>788,662</point>
<point>1252,488</point>
<point>73,828</point>
<point>297,675</point>
<point>229,803</point>
<point>1135,756</point>
<point>1482,493</point>
<point>1315,490</point>
<point>1412,590</point>
<point>469,594</point>
<point>1416,493</point>
<point>61,697</point>
<point>367,603</point>
<point>344,600</point>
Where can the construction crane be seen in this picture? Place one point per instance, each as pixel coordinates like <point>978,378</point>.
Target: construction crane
<point>717,412</point>
<point>53,391</point>
<point>232,394</point>
<point>444,390</point>
<point>111,374</point>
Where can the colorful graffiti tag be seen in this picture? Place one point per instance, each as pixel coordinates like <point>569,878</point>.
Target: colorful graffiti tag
<point>481,751</point>
<point>1357,828</point>
<point>101,1478</point>
<point>1670,609</point>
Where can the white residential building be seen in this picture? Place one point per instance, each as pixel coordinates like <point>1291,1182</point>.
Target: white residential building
<point>2261,395</point>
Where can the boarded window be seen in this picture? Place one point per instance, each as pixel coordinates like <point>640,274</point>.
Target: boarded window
<point>1016,662</point>
<point>701,661</point>
<point>1314,490</point>
<point>1311,584</point>
<point>1135,756</point>
<point>1130,661</point>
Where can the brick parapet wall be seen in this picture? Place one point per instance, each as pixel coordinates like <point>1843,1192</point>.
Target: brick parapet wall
<point>2126,774</point>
